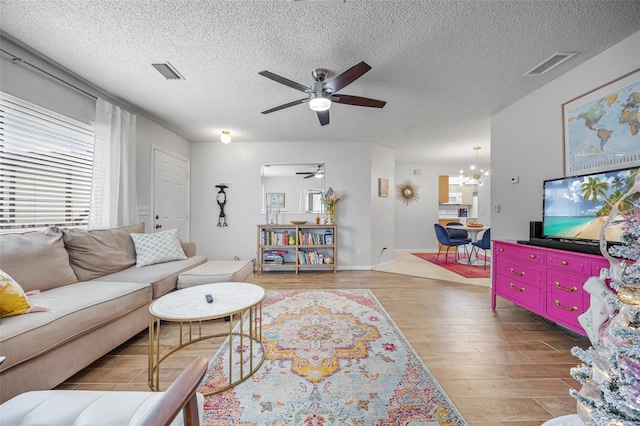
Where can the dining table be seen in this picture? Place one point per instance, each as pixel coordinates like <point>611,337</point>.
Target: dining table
<point>473,234</point>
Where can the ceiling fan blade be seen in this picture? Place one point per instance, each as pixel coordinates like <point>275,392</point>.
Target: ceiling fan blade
<point>358,101</point>
<point>305,173</point>
<point>310,176</point>
<point>285,81</point>
<point>347,77</point>
<point>323,116</point>
<point>283,106</point>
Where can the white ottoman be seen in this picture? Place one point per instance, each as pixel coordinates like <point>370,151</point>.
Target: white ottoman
<point>216,271</point>
<point>82,408</point>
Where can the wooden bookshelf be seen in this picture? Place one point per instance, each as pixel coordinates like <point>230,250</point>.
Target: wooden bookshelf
<point>312,245</point>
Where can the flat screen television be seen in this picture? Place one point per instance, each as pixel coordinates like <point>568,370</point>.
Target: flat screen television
<point>576,207</point>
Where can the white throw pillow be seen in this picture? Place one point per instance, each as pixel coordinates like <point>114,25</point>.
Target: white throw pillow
<point>157,248</point>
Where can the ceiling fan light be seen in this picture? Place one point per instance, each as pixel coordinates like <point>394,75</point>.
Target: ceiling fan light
<point>226,137</point>
<point>320,104</point>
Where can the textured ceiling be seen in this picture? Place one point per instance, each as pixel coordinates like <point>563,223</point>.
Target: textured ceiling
<point>442,66</point>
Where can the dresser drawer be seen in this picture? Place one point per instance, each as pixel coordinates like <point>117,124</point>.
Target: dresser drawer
<point>568,262</point>
<point>565,285</point>
<point>521,293</point>
<point>517,270</point>
<point>520,251</point>
<point>565,310</point>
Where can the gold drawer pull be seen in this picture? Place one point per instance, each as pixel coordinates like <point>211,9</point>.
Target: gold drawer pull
<point>566,308</point>
<point>569,289</point>
<point>517,274</point>
<point>564,263</point>
<point>533,256</point>
<point>516,288</point>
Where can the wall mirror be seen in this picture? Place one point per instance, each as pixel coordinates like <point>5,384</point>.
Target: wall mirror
<point>294,188</point>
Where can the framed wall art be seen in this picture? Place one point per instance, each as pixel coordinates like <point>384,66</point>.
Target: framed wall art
<point>602,127</point>
<point>275,200</point>
<point>383,187</point>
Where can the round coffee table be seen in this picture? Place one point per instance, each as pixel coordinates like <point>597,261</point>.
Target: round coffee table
<point>240,302</point>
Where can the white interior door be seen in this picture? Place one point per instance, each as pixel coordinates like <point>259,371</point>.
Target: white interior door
<point>170,192</point>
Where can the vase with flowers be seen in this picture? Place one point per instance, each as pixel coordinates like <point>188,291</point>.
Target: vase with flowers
<point>331,198</point>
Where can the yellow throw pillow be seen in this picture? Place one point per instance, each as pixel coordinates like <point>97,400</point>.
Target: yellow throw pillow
<point>13,300</point>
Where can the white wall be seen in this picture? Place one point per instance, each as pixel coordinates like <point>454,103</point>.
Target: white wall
<point>526,138</point>
<point>348,168</point>
<point>35,87</point>
<point>149,133</point>
<point>382,208</point>
<point>414,223</point>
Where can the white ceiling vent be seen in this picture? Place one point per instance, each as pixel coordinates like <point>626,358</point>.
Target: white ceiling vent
<point>168,71</point>
<point>551,62</point>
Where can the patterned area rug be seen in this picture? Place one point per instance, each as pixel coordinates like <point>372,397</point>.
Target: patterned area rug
<point>333,357</point>
<point>467,271</point>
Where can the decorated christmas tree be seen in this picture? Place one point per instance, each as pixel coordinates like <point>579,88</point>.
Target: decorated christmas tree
<point>610,369</point>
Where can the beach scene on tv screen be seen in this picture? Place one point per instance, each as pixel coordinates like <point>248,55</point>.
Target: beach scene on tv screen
<point>578,207</point>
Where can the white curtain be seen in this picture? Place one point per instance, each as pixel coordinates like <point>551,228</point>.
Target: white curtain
<point>113,192</point>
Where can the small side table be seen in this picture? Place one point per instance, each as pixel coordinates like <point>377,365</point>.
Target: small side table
<point>242,302</point>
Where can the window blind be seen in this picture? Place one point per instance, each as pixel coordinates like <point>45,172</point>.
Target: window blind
<point>46,163</point>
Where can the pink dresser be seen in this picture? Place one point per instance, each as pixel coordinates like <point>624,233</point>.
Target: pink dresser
<point>544,280</point>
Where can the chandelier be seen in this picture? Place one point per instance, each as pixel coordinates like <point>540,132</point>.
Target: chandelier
<point>477,171</point>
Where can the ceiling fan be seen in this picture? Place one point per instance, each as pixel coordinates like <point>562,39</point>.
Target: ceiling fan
<point>317,173</point>
<point>322,93</point>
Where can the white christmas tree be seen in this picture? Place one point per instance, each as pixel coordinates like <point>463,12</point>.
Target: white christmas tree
<point>610,369</point>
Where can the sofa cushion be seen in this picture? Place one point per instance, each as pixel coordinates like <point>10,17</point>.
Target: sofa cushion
<point>216,271</point>
<point>157,248</point>
<point>162,276</point>
<point>36,259</point>
<point>75,310</point>
<point>114,245</point>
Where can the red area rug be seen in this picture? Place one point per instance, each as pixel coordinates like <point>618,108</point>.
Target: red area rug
<point>467,271</point>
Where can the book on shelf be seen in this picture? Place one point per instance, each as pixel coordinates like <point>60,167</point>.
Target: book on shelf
<point>310,239</point>
<point>309,257</point>
<point>276,252</point>
<point>273,259</point>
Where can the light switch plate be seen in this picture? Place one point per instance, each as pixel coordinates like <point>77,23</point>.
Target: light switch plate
<point>144,211</point>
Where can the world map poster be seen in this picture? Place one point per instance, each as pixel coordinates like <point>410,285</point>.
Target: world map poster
<point>602,127</point>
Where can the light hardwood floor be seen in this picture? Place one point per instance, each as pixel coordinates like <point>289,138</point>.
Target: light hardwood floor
<point>502,367</point>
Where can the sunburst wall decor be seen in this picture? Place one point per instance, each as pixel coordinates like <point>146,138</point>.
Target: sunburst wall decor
<point>407,192</point>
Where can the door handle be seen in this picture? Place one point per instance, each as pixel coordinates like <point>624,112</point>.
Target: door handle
<point>158,226</point>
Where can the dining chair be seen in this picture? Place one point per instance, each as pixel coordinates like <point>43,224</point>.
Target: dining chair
<point>458,234</point>
<point>445,240</point>
<point>483,243</point>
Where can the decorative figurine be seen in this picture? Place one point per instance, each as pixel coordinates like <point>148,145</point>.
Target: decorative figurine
<point>221,198</point>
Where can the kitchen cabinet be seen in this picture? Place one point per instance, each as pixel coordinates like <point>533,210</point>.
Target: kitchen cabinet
<point>467,194</point>
<point>443,189</point>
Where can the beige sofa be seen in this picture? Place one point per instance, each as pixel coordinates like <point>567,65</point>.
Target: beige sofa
<point>97,300</point>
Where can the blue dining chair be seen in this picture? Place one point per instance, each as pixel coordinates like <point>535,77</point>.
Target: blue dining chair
<point>457,234</point>
<point>484,243</point>
<point>445,240</point>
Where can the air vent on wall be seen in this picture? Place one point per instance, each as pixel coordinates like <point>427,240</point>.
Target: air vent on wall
<point>551,62</point>
<point>168,71</point>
